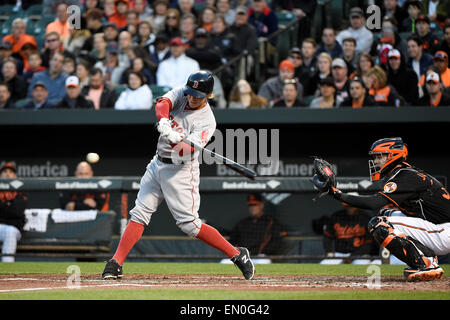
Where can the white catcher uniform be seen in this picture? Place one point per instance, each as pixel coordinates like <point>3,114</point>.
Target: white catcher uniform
<point>178,183</point>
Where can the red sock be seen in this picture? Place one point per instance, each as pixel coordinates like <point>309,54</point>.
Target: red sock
<point>212,237</point>
<point>131,235</point>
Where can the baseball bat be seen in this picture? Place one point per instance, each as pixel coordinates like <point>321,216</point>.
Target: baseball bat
<point>229,163</point>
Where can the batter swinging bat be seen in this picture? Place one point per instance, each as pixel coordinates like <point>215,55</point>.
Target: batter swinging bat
<point>229,163</point>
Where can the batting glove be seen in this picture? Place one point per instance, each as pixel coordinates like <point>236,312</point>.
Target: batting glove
<point>164,126</point>
<point>175,137</point>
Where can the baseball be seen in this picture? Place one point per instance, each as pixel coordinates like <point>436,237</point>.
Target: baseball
<point>92,157</point>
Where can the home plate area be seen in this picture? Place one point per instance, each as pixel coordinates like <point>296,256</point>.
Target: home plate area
<point>36,282</point>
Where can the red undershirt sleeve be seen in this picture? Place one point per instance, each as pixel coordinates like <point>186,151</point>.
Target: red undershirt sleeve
<point>162,108</point>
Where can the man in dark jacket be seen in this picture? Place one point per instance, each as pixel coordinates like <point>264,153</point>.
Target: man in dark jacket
<point>263,19</point>
<point>429,39</point>
<point>246,37</point>
<point>204,51</point>
<point>102,96</point>
<point>359,97</point>
<point>434,97</point>
<point>17,85</point>
<point>403,79</point>
<point>73,98</point>
<point>39,100</point>
<point>12,214</point>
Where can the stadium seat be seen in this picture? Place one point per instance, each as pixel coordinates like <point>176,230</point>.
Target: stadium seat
<point>40,25</point>
<point>286,39</point>
<point>7,9</point>
<point>120,89</point>
<point>40,40</point>
<point>20,103</point>
<point>158,91</point>
<point>34,10</point>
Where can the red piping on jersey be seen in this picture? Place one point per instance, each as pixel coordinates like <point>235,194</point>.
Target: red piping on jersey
<point>162,108</point>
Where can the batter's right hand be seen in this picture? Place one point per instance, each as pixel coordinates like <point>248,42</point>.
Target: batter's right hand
<point>164,127</point>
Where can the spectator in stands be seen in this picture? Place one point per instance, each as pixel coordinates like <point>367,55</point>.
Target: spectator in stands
<point>302,75</point>
<point>99,47</point>
<point>309,48</point>
<point>61,24</point>
<point>440,60</point>
<point>76,40</point>
<point>329,43</point>
<point>435,96</point>
<point>161,50</point>
<point>84,200</point>
<point>142,64</point>
<point>5,97</point>
<point>143,9</point>
<point>111,32</point>
<point>111,68</point>
<point>39,100</point>
<point>414,8</point>
<point>89,5</point>
<point>125,44</point>
<point>69,66</point>
<point>242,96</point>
<point>204,51</point>
<point>224,8</point>
<point>34,66</point>
<point>339,72</point>
<point>263,19</point>
<point>389,39</point>
<point>18,36</point>
<point>223,38</point>
<point>12,214</point>
<point>363,65</point>
<point>145,37</point>
<point>53,77</point>
<point>346,235</point>
<point>17,85</point>
<point>359,97</point>
<point>289,98</point>
<point>53,45</point>
<point>158,18</point>
<point>109,8</point>
<point>385,95</point>
<point>349,54</point>
<point>24,53</point>
<point>187,7</point>
<point>246,38</point>
<point>172,23</point>
<point>206,18</point>
<point>272,88</point>
<point>392,10</point>
<point>418,60</point>
<point>133,21</point>
<point>357,31</point>
<point>437,11</point>
<point>94,24</point>
<point>178,64</point>
<point>82,73</point>
<point>323,70</point>
<point>430,41</point>
<point>259,233</point>
<point>445,43</point>
<point>73,99</point>
<point>327,98</point>
<point>6,52</point>
<point>403,79</point>
<point>119,18</point>
<point>187,28</point>
<point>137,96</point>
<point>101,94</point>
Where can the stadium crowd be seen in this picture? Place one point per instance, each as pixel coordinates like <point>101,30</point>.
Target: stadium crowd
<point>125,53</point>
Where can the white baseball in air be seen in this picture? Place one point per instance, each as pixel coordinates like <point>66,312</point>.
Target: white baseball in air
<point>92,157</point>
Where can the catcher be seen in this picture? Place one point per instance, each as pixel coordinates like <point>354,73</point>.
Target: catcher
<point>419,228</point>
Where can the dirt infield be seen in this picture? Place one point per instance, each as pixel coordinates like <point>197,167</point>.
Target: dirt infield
<point>40,282</point>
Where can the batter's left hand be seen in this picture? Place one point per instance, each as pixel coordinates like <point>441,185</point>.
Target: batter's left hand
<point>175,137</point>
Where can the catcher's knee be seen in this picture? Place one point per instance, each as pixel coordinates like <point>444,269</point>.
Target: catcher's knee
<point>191,228</point>
<point>381,230</point>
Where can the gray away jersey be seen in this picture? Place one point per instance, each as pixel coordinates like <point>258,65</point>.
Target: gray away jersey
<point>197,125</point>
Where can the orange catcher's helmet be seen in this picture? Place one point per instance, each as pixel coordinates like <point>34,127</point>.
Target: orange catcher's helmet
<point>386,155</point>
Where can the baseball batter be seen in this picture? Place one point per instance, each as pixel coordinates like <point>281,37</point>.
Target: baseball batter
<point>173,174</point>
<point>418,229</point>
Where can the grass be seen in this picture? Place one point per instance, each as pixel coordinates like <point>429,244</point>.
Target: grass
<point>89,268</point>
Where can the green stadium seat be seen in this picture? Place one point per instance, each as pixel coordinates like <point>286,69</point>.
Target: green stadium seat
<point>158,91</point>
<point>404,35</point>
<point>307,100</point>
<point>6,9</point>
<point>40,40</point>
<point>41,25</point>
<point>20,103</point>
<point>119,89</point>
<point>34,10</point>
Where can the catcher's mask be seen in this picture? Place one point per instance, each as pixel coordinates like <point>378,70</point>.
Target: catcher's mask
<point>386,154</point>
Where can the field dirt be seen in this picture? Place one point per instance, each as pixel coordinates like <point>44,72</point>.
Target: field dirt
<point>39,282</point>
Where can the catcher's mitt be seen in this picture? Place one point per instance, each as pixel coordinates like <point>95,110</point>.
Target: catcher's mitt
<point>324,178</point>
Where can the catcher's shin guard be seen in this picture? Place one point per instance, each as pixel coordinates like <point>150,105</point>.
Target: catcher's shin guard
<point>405,248</point>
